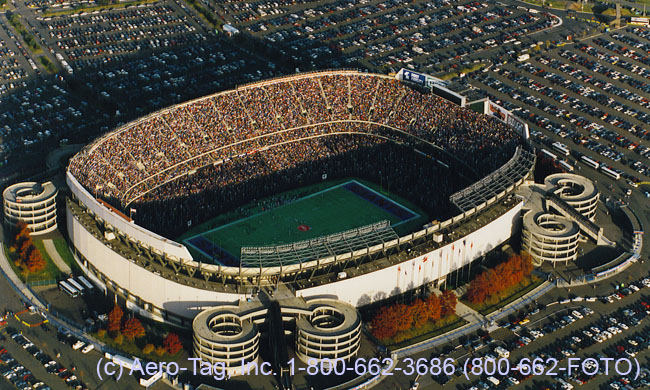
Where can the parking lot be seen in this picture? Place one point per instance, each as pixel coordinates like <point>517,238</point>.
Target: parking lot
<point>554,330</point>
<point>586,95</point>
<point>383,35</point>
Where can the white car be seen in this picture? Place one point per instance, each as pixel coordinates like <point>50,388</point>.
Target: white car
<point>79,344</point>
<point>646,282</point>
<point>88,348</point>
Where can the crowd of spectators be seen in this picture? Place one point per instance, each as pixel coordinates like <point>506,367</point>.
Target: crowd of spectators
<point>286,127</point>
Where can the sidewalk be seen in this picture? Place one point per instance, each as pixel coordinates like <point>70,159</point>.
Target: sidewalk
<point>56,258</point>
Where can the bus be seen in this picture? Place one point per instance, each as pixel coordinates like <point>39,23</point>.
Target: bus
<point>592,163</point>
<point>567,166</point>
<point>85,283</point>
<point>76,285</point>
<point>611,173</point>
<point>68,289</point>
<point>560,147</point>
<point>548,154</point>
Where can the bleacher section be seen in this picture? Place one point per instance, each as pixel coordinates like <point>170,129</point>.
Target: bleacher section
<point>503,179</point>
<point>324,247</point>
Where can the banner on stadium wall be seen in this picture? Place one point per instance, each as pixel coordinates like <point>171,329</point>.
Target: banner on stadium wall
<point>508,118</point>
<point>414,77</point>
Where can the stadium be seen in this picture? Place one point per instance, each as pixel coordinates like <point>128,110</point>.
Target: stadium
<point>338,185</point>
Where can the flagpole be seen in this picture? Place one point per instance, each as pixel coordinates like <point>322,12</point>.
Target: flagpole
<point>469,266</point>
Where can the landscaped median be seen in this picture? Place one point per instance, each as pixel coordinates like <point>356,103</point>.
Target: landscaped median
<point>14,20</point>
<point>400,325</point>
<point>29,259</point>
<point>502,285</point>
<point>92,8</point>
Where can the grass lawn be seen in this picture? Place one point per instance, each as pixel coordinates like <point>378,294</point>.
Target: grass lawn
<point>50,272</point>
<point>95,8</point>
<point>49,66</point>
<point>468,69</point>
<point>428,331</point>
<point>14,20</point>
<point>133,348</point>
<point>511,295</point>
<point>311,212</point>
<point>64,251</point>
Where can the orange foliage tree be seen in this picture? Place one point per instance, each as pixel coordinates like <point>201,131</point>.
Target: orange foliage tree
<point>29,258</point>
<point>172,344</point>
<point>115,319</point>
<point>34,261</point>
<point>399,317</point>
<point>133,329</point>
<point>489,284</point>
<point>448,302</point>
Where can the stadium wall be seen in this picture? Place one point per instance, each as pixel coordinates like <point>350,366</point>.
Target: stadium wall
<point>162,299</point>
<point>423,269</point>
<point>151,292</point>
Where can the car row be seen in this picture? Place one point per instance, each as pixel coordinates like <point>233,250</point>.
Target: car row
<point>50,365</point>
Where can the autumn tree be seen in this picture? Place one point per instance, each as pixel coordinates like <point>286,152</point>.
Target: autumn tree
<point>448,303</point>
<point>34,261</point>
<point>147,349</point>
<point>434,310</point>
<point>489,285</point>
<point>115,319</point>
<point>133,329</point>
<point>172,344</point>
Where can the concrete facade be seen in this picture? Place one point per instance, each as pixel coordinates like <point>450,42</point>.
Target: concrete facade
<point>32,203</point>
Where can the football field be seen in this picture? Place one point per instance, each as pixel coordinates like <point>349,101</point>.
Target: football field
<point>340,207</point>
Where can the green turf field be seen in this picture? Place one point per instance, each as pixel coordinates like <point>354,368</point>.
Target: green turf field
<point>324,211</point>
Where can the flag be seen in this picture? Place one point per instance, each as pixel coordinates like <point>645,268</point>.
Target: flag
<point>419,268</point>
<point>425,259</point>
<point>132,210</point>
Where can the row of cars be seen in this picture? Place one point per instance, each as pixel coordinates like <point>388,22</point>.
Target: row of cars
<point>631,288</point>
<point>605,328</point>
<point>569,109</point>
<point>19,376</point>
<point>50,365</point>
<point>630,346</point>
<point>114,32</point>
<point>388,32</point>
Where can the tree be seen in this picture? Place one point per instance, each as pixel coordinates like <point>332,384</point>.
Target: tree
<point>384,322</point>
<point>119,339</point>
<point>115,319</point>
<point>133,329</point>
<point>448,303</point>
<point>172,344</point>
<point>160,351</point>
<point>34,261</point>
<point>147,349</point>
<point>101,333</point>
<point>433,307</point>
<point>420,313</point>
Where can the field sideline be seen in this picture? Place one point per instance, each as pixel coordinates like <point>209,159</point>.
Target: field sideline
<point>288,218</point>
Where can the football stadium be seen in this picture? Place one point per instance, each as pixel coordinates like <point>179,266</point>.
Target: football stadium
<point>337,185</point>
